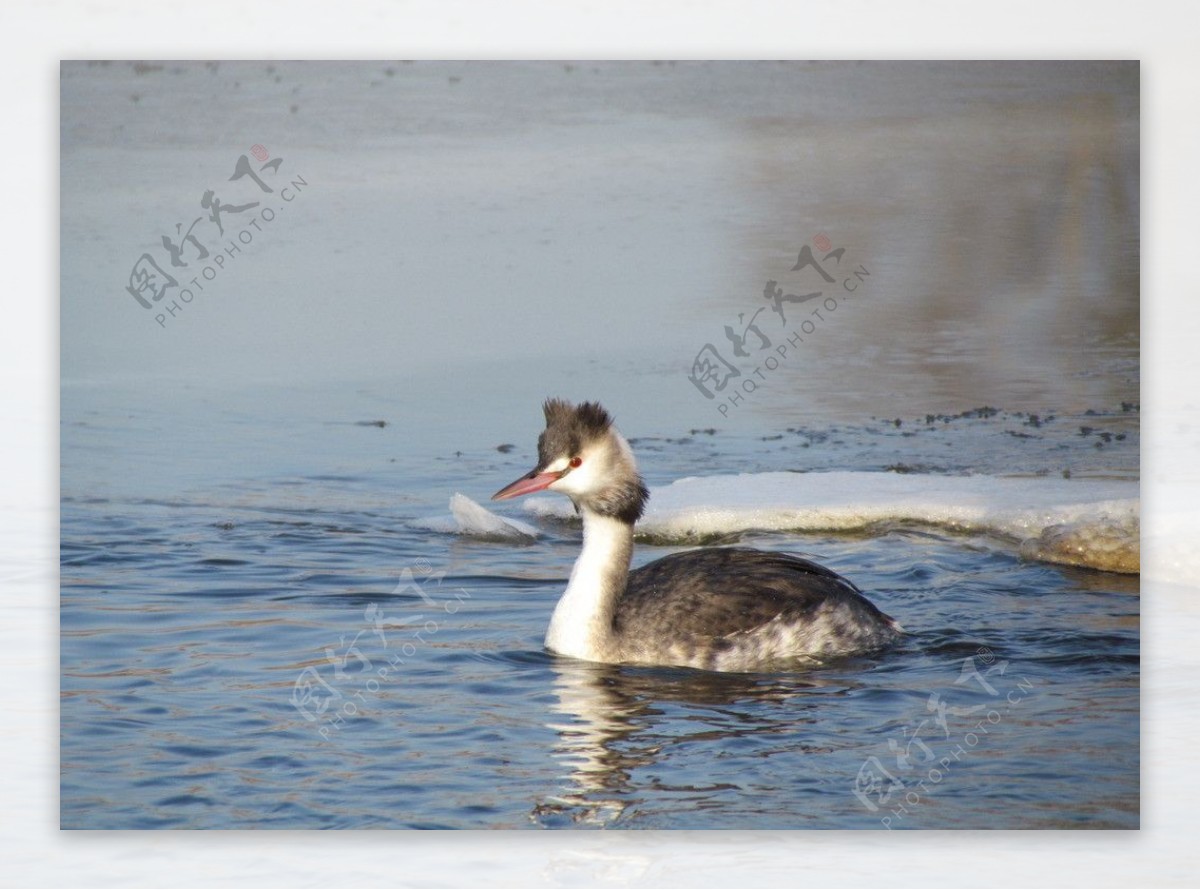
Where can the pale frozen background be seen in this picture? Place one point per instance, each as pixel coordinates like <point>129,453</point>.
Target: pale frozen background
<point>1157,853</point>
<point>602,219</point>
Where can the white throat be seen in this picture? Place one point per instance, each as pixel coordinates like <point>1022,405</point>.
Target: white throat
<point>581,626</point>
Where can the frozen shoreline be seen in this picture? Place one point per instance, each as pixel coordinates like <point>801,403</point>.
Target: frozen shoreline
<point>1090,523</point>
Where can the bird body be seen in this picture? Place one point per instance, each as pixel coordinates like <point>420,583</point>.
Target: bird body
<point>717,608</point>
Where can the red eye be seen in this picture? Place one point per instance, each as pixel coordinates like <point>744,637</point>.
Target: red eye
<point>576,462</point>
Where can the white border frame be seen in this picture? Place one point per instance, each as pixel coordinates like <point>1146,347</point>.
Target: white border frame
<point>36,36</point>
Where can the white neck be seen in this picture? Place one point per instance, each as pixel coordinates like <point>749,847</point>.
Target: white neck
<point>581,625</point>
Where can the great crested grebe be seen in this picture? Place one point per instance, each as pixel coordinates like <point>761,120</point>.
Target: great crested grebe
<point>720,608</point>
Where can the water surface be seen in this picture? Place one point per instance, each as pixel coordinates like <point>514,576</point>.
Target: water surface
<point>262,629</point>
<point>280,647</point>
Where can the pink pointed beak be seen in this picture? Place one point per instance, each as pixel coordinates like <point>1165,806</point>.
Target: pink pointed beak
<point>530,482</point>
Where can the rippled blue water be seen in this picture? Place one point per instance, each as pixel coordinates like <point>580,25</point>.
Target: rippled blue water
<point>255,633</point>
<point>254,637</point>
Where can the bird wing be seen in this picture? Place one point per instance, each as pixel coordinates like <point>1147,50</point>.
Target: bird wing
<point>729,591</point>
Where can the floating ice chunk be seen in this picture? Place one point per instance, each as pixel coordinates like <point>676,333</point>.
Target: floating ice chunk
<point>1111,544</point>
<point>471,520</point>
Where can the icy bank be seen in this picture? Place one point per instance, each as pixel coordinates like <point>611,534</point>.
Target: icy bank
<point>1085,522</point>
